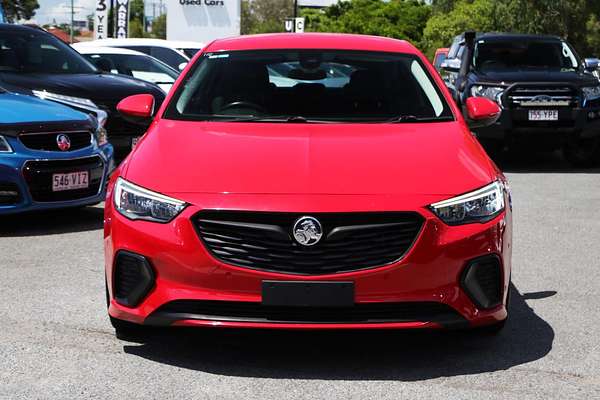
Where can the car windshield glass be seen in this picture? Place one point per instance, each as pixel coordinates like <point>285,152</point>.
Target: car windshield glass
<point>190,52</point>
<point>524,54</point>
<point>25,51</point>
<point>138,66</point>
<point>304,85</point>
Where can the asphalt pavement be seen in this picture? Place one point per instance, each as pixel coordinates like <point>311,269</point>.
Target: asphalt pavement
<point>56,341</point>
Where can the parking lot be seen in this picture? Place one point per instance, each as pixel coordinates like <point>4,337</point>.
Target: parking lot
<point>57,343</point>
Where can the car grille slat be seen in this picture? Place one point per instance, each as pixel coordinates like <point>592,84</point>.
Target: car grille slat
<point>47,141</point>
<point>350,241</point>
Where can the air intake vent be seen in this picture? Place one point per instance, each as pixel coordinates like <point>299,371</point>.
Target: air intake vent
<point>9,193</point>
<point>482,280</point>
<point>133,278</point>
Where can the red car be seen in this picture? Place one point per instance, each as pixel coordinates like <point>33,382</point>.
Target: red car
<point>267,193</point>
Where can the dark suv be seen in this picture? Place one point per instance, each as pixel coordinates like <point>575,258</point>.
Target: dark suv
<point>549,97</point>
<point>33,61</point>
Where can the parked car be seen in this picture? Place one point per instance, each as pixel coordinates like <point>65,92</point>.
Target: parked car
<point>548,95</point>
<point>175,54</point>
<point>33,61</point>
<point>311,206</point>
<point>130,62</point>
<point>51,156</point>
<point>439,57</point>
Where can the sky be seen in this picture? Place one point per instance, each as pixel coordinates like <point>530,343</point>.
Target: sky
<point>60,10</point>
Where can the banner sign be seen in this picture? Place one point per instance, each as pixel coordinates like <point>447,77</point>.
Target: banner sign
<point>294,25</point>
<point>100,19</point>
<point>202,20</point>
<point>122,25</point>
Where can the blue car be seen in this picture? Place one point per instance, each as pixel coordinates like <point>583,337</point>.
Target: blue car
<point>51,155</point>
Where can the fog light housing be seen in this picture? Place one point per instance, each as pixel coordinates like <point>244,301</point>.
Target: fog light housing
<point>482,281</point>
<point>133,278</point>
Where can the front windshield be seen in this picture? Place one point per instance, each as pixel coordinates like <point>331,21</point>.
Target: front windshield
<point>524,54</point>
<point>25,51</point>
<point>327,85</point>
<point>138,66</point>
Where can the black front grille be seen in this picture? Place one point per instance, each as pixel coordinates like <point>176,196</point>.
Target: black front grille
<point>38,175</point>
<point>542,96</point>
<point>47,141</point>
<point>9,193</point>
<point>350,241</point>
<point>256,312</point>
<point>120,131</point>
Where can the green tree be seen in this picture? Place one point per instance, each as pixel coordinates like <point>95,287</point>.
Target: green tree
<point>136,19</point>
<point>159,27</point>
<point>19,9</point>
<point>401,19</point>
<point>263,16</point>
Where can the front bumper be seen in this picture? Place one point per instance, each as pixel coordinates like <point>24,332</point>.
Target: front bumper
<point>429,275</point>
<point>13,175</point>
<point>573,124</point>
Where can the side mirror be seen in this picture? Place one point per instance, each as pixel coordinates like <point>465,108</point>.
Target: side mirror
<point>481,112</point>
<point>591,64</point>
<point>451,65</point>
<point>182,66</point>
<point>137,109</point>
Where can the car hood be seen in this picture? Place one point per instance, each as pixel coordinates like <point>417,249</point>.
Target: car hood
<point>23,109</point>
<point>91,86</point>
<point>508,77</point>
<point>178,157</point>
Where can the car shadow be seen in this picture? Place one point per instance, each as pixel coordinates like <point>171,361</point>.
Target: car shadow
<point>352,355</point>
<point>53,222</point>
<point>531,161</point>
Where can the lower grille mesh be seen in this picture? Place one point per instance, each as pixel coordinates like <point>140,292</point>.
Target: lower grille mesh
<point>256,312</point>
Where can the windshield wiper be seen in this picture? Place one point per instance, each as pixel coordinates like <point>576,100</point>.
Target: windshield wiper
<point>276,118</point>
<point>412,118</point>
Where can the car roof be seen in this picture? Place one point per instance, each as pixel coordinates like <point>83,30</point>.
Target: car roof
<point>106,50</point>
<point>333,41</point>
<point>20,27</point>
<point>516,36</point>
<point>144,42</point>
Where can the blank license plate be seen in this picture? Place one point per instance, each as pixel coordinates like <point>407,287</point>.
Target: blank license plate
<point>308,294</point>
<point>543,115</point>
<point>134,142</point>
<point>70,181</point>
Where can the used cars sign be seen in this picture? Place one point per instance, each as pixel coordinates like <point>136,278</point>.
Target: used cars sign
<point>202,20</point>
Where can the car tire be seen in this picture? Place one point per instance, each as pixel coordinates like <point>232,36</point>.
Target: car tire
<point>123,329</point>
<point>583,153</point>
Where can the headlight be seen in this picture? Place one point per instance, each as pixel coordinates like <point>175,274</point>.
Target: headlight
<point>591,92</point>
<point>61,98</point>
<point>135,202</point>
<point>101,134</point>
<point>481,205</point>
<point>4,146</point>
<point>491,92</point>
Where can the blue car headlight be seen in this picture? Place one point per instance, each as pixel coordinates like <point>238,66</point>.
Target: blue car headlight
<point>493,93</point>
<point>4,146</point>
<point>481,205</point>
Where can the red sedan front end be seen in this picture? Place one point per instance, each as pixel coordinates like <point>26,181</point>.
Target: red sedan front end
<point>309,181</point>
